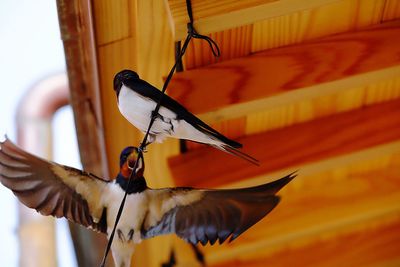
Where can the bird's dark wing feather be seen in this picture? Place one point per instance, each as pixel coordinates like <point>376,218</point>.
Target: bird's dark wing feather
<point>52,189</point>
<point>210,215</point>
<point>147,90</point>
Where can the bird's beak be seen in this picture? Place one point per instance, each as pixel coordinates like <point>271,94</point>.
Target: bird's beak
<point>130,161</point>
<point>129,165</point>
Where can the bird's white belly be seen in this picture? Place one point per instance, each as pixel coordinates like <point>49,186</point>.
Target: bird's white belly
<point>135,108</point>
<point>138,111</point>
<point>132,216</point>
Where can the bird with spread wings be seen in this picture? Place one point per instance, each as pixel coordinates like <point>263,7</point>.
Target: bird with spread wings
<point>195,215</point>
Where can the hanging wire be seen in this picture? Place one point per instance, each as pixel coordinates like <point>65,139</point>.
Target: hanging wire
<point>192,33</point>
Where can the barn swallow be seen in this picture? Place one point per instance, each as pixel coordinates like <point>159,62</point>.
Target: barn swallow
<point>137,100</point>
<point>195,215</point>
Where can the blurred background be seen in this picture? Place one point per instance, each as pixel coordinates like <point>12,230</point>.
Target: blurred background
<point>312,86</point>
<point>31,53</point>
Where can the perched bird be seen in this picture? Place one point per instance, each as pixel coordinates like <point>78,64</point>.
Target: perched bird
<point>195,215</point>
<point>137,100</point>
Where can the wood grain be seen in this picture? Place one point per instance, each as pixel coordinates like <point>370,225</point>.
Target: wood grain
<point>300,109</point>
<point>79,47</point>
<point>282,70</point>
<point>338,16</point>
<point>233,43</point>
<point>328,19</point>
<point>213,16</point>
<point>77,33</point>
<point>334,17</point>
<point>118,132</point>
<point>112,20</point>
<point>321,206</point>
<point>135,34</point>
<point>156,52</point>
<point>291,146</point>
<point>376,246</point>
<point>392,10</point>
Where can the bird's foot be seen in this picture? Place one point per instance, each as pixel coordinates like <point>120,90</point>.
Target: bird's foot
<point>154,115</point>
<point>143,148</point>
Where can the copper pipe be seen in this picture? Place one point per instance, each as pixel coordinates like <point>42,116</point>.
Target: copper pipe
<point>34,133</point>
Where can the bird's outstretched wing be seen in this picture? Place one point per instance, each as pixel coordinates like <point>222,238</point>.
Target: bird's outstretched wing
<point>148,90</point>
<point>53,189</point>
<point>210,215</point>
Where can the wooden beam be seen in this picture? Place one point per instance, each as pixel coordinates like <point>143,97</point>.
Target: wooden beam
<point>291,146</point>
<point>112,20</point>
<point>214,16</point>
<point>156,54</point>
<point>305,105</point>
<point>336,17</point>
<point>325,66</point>
<point>76,26</point>
<point>289,29</point>
<point>318,207</point>
<point>233,43</point>
<point>392,10</point>
<point>374,246</point>
<point>118,132</point>
<point>80,53</point>
<point>335,172</point>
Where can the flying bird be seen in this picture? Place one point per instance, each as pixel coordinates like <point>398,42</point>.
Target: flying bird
<point>195,215</point>
<point>137,100</point>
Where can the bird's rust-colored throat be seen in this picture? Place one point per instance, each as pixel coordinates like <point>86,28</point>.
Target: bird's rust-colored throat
<point>129,164</point>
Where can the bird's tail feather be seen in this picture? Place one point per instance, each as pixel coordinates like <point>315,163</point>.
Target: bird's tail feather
<point>237,153</point>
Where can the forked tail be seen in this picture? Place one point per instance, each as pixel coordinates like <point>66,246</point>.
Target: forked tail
<point>237,153</point>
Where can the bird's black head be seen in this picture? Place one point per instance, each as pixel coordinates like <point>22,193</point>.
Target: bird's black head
<point>125,153</point>
<point>123,76</point>
<point>127,161</point>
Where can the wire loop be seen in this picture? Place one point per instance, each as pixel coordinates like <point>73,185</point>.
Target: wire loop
<point>213,45</point>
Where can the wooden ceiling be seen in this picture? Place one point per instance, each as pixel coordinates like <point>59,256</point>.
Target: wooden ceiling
<point>307,85</point>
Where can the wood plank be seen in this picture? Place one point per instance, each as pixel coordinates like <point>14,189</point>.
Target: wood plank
<point>353,201</point>
<point>335,17</point>
<point>291,146</point>
<point>305,108</point>
<point>328,65</point>
<point>77,33</point>
<point>79,47</point>
<point>314,177</point>
<point>112,20</point>
<point>118,132</point>
<point>392,10</point>
<point>156,54</point>
<point>376,246</point>
<point>284,30</point>
<point>232,43</point>
<point>211,16</point>
<point>152,63</point>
